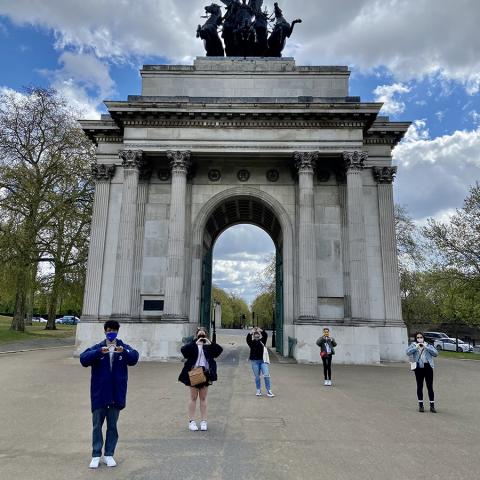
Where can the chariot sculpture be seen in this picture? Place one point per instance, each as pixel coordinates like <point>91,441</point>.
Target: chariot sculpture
<point>246,29</point>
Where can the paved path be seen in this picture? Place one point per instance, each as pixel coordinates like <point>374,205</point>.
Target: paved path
<point>364,428</point>
<point>36,343</point>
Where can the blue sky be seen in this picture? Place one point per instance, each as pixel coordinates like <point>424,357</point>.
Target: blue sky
<point>419,57</point>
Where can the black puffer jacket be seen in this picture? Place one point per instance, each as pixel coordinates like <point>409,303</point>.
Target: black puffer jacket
<point>256,347</point>
<point>190,352</point>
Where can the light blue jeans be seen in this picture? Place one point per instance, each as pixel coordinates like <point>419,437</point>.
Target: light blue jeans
<point>258,366</point>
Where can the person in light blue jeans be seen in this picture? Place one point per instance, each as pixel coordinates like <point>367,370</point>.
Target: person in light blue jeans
<point>257,340</point>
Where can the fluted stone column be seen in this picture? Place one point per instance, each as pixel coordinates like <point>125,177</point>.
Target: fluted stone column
<point>345,250</point>
<point>139,239</point>
<point>305,163</point>
<point>388,242</point>
<point>132,162</point>
<point>91,302</point>
<point>174,307</point>
<point>357,247</point>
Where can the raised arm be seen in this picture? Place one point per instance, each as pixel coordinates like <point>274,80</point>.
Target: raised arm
<point>91,355</point>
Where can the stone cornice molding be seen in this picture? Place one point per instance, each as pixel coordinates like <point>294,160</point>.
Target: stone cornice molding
<point>384,174</point>
<point>102,172</point>
<point>179,161</point>
<point>354,161</point>
<point>132,159</point>
<point>305,162</point>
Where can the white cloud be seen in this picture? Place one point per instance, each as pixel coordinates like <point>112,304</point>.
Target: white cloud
<point>83,80</point>
<point>434,175</point>
<point>413,39</point>
<point>475,116</point>
<point>387,93</point>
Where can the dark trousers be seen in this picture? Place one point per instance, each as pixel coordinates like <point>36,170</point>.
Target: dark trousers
<point>98,417</point>
<point>327,367</point>
<point>421,374</point>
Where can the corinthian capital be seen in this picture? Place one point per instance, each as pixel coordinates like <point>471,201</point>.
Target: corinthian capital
<point>179,160</point>
<point>305,162</point>
<point>100,171</point>
<point>354,160</point>
<point>131,158</point>
<point>384,174</point>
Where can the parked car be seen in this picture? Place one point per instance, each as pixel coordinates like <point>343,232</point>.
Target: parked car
<point>39,319</point>
<point>431,337</point>
<point>67,320</point>
<point>450,344</point>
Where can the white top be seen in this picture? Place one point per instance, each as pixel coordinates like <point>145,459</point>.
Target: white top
<point>201,360</point>
<point>328,348</point>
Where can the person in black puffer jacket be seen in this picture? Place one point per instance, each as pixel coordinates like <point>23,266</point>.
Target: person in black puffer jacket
<point>200,352</point>
<point>257,340</point>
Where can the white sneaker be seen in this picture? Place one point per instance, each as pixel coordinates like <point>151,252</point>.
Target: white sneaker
<point>203,426</point>
<point>329,383</point>
<point>95,462</point>
<point>325,383</point>
<point>192,426</point>
<point>109,461</point>
<point>270,393</point>
<point>259,393</point>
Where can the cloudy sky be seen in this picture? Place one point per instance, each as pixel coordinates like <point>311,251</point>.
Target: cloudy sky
<point>419,57</point>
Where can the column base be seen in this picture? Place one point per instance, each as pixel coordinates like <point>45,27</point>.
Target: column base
<point>154,341</point>
<point>356,344</point>
<point>174,318</point>
<point>307,320</point>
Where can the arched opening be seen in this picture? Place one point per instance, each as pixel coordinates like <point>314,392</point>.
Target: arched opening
<point>235,211</point>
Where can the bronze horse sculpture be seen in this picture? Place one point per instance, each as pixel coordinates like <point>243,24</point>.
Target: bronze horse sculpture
<point>209,31</point>
<point>281,31</point>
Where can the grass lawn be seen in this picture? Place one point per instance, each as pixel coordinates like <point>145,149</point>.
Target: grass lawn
<point>460,355</point>
<point>37,330</point>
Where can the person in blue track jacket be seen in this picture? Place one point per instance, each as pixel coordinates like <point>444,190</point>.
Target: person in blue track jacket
<point>109,360</point>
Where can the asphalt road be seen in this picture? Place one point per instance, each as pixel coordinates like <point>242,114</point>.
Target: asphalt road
<point>366,427</point>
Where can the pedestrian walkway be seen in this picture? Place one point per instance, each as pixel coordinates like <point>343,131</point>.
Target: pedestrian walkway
<point>366,427</point>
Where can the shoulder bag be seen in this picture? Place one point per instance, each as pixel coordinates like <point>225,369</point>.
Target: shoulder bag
<point>266,356</point>
<point>197,376</point>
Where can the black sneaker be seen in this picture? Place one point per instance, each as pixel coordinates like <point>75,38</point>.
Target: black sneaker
<point>421,408</point>
<point>432,409</point>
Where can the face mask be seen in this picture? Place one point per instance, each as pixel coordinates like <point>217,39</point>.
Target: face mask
<point>256,336</point>
<point>420,340</point>
<point>111,336</point>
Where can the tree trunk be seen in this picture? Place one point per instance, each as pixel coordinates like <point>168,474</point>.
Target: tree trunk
<point>18,322</point>
<point>30,294</point>
<point>54,296</point>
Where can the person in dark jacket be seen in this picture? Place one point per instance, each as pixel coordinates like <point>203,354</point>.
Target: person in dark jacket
<point>109,360</point>
<point>257,340</point>
<point>327,346</point>
<point>200,352</point>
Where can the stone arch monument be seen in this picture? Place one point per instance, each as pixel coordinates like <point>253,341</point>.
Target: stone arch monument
<point>245,140</point>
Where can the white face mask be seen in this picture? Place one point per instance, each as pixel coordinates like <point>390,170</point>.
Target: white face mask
<point>420,340</point>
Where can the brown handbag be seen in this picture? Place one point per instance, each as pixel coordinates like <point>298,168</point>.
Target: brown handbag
<point>197,376</point>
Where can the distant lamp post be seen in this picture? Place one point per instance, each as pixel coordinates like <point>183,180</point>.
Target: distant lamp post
<point>274,327</point>
<point>214,326</point>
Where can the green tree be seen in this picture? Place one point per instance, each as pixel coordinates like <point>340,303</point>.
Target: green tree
<point>40,143</point>
<point>456,244</point>
<point>263,306</point>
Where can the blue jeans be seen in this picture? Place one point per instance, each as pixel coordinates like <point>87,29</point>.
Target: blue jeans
<point>258,366</point>
<point>98,417</point>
